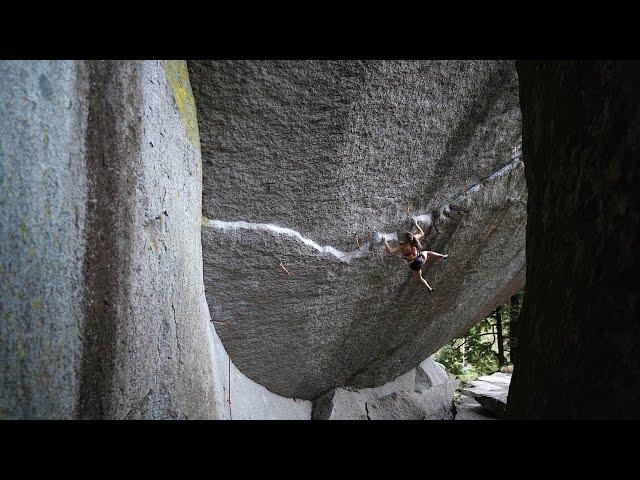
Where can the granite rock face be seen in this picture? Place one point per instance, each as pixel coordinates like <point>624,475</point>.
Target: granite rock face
<point>240,398</point>
<point>102,304</point>
<point>306,165</point>
<point>101,284</point>
<point>424,393</point>
<point>43,189</point>
<point>581,142</point>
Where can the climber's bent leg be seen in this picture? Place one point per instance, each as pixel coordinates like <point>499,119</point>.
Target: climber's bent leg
<point>418,276</point>
<point>428,253</point>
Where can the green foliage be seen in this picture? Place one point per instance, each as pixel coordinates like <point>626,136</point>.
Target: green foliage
<point>476,353</point>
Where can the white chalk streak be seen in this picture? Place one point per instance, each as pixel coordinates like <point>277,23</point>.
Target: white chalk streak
<point>494,176</point>
<point>386,236</point>
<point>325,249</point>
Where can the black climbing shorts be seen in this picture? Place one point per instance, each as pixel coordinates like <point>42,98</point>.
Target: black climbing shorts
<point>417,263</point>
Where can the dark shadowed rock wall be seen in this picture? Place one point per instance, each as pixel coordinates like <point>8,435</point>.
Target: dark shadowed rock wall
<point>309,164</point>
<point>579,335</point>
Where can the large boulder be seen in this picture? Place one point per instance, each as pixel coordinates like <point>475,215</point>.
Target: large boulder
<point>307,165</point>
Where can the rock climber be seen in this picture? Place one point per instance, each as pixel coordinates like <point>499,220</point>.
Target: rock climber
<point>411,249</point>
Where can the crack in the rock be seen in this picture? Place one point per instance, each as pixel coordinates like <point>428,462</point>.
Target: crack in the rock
<point>429,219</point>
<point>175,323</point>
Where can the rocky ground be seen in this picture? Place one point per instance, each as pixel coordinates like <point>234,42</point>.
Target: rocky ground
<point>424,393</point>
<point>484,398</point>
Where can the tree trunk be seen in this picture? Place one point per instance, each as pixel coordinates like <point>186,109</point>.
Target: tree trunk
<point>463,351</point>
<point>500,339</point>
<point>513,328</point>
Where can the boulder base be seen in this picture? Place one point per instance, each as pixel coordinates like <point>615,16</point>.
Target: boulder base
<point>424,393</point>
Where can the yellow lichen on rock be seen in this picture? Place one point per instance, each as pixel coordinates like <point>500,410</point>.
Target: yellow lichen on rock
<point>178,78</point>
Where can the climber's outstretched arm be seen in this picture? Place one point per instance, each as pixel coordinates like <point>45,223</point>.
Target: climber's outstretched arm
<point>420,233</point>
<point>391,249</point>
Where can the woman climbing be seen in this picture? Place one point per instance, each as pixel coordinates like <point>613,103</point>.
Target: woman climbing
<point>412,252</point>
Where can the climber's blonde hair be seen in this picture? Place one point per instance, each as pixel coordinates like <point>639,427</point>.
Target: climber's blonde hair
<point>410,239</point>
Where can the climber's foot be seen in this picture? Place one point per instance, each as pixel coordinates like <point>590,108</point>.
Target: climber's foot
<point>445,256</point>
